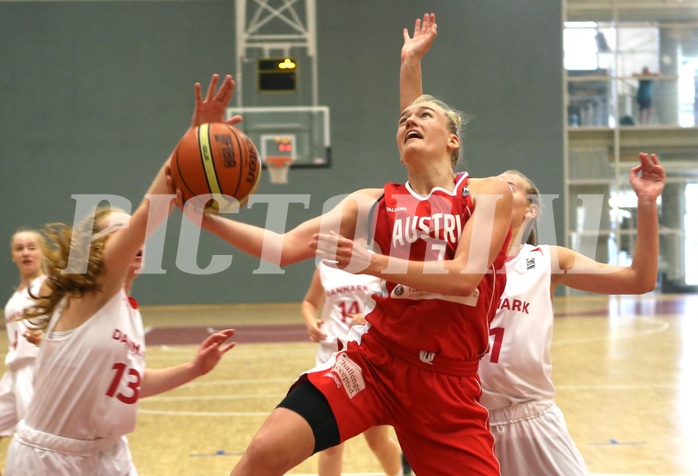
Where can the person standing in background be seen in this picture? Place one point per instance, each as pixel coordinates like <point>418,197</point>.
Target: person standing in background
<point>17,384</point>
<point>645,94</point>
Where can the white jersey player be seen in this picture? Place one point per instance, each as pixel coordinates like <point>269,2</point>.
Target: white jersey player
<point>88,381</point>
<point>16,385</point>
<point>341,297</point>
<point>90,370</point>
<point>516,375</point>
<point>531,436</point>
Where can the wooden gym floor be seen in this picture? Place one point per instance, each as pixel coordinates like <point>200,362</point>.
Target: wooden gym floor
<point>626,370</point>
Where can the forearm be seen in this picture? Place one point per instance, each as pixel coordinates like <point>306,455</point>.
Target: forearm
<point>267,245</point>
<point>410,79</point>
<point>309,313</point>
<point>148,216</point>
<point>461,274</point>
<point>157,203</point>
<point>159,183</point>
<point>646,254</point>
<point>157,381</point>
<point>277,248</point>
<point>449,277</point>
<point>583,273</point>
<point>154,208</point>
<point>248,238</point>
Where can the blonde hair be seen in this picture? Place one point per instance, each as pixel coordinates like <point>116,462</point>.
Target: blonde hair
<point>454,119</point>
<point>63,240</point>
<point>530,235</point>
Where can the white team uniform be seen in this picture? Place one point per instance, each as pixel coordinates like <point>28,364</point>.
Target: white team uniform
<point>517,388</point>
<point>86,397</point>
<point>345,294</point>
<point>16,385</point>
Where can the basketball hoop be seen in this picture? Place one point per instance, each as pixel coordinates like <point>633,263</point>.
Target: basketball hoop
<point>278,168</point>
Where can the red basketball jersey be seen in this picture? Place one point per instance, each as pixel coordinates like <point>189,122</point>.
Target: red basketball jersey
<point>428,228</point>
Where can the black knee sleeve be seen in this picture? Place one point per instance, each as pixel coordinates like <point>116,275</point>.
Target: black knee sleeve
<point>311,404</point>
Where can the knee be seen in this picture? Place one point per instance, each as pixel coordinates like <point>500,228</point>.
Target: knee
<point>264,454</point>
<point>284,441</point>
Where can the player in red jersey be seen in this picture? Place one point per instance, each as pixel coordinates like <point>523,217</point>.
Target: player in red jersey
<point>437,242</point>
<point>530,431</point>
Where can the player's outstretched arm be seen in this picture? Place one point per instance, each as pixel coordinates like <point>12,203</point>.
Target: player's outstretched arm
<point>351,214</point>
<point>210,352</point>
<point>583,273</point>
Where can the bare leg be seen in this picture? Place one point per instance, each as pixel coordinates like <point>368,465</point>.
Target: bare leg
<point>385,448</point>
<point>284,441</point>
<point>330,461</point>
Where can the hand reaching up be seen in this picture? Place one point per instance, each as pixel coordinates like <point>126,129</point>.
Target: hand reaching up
<point>212,107</point>
<point>648,178</point>
<point>423,37</point>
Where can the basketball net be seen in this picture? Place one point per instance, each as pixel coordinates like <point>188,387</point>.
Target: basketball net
<point>278,168</point>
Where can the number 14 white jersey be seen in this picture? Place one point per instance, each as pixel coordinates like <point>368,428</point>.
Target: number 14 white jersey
<point>517,368</point>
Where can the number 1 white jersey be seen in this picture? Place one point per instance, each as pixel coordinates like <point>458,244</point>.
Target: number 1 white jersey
<point>88,379</point>
<point>517,368</point>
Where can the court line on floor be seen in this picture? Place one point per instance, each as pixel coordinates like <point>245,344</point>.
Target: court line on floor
<point>203,414</point>
<point>206,383</point>
<point>185,398</point>
<point>658,326</point>
<point>617,386</point>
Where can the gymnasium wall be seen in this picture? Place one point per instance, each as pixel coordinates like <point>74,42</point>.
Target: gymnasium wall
<point>94,95</point>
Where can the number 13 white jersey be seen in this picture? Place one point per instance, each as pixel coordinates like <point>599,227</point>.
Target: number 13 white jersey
<point>88,379</point>
<point>517,368</point>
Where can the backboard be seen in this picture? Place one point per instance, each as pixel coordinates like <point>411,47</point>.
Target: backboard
<point>299,132</point>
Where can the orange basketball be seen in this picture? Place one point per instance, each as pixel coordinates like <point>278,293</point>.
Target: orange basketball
<point>216,160</point>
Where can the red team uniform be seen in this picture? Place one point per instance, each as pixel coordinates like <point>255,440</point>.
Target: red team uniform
<point>427,385</point>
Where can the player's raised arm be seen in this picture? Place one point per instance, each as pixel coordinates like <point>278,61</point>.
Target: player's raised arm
<point>581,272</point>
<point>350,216</point>
<point>413,50</point>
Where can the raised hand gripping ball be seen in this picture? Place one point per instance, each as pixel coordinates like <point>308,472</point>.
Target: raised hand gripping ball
<point>218,164</point>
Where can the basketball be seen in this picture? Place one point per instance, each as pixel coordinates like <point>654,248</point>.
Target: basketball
<point>216,160</point>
